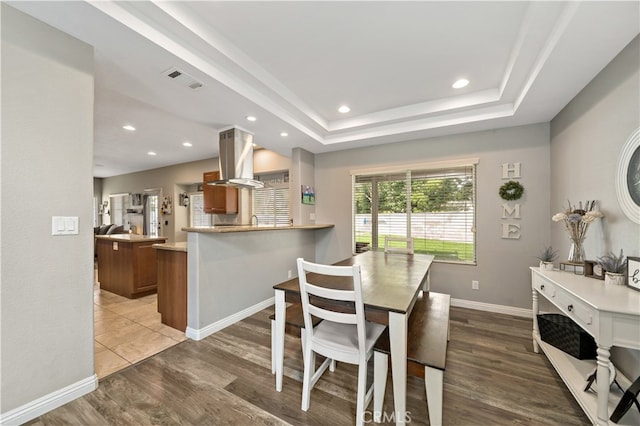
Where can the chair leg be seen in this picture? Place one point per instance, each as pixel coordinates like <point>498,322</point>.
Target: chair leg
<point>433,382</point>
<point>380,370</point>
<point>309,367</point>
<point>332,366</point>
<point>273,347</point>
<point>362,392</point>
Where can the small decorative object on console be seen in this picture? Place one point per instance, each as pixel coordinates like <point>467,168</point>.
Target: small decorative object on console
<point>592,269</point>
<point>546,257</point>
<point>614,267</point>
<point>633,272</point>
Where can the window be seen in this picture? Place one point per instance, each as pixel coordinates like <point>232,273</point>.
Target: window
<point>197,216</point>
<point>433,204</point>
<point>152,222</point>
<point>119,203</point>
<point>96,209</point>
<point>271,203</point>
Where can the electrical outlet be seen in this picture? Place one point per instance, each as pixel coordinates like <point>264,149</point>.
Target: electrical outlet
<point>289,274</point>
<point>475,285</point>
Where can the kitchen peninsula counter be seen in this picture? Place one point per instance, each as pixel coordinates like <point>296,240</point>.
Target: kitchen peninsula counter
<point>232,269</point>
<point>127,264</point>
<point>222,229</point>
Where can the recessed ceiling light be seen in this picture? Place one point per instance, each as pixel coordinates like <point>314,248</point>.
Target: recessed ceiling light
<point>129,127</point>
<point>459,84</point>
<point>151,153</point>
<point>344,109</point>
<point>284,134</point>
<point>187,144</point>
<point>251,118</point>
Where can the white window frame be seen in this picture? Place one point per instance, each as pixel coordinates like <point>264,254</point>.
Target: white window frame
<point>407,170</point>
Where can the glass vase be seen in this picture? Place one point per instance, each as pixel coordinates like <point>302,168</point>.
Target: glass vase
<point>576,252</point>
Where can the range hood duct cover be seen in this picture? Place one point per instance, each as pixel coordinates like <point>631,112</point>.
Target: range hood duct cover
<point>236,160</point>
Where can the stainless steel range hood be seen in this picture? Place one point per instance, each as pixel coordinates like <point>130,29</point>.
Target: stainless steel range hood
<point>236,160</point>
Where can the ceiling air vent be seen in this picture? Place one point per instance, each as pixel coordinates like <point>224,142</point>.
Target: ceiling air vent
<point>183,78</point>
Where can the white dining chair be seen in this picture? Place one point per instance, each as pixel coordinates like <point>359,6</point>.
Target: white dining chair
<point>344,337</point>
<point>407,248</point>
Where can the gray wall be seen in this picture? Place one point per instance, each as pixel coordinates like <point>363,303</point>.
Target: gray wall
<point>231,272</point>
<point>586,139</point>
<point>502,267</point>
<point>46,314</point>
<point>302,173</point>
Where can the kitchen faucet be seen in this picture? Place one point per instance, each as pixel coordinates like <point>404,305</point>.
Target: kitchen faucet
<point>256,219</point>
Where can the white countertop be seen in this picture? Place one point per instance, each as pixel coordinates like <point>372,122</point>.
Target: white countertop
<point>181,246</point>
<point>133,238</point>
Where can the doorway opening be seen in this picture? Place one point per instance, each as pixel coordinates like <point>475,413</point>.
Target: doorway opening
<point>127,331</point>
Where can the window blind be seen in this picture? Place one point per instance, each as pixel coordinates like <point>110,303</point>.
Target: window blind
<point>197,216</point>
<point>271,203</point>
<point>434,206</point>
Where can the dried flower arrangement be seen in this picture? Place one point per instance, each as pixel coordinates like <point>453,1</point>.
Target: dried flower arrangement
<point>576,221</point>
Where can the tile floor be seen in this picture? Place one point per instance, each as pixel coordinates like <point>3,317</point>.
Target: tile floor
<point>127,331</point>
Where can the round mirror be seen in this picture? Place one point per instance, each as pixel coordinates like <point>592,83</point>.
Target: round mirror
<point>628,177</point>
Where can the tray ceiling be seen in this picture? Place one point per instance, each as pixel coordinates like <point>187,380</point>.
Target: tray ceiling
<point>292,64</point>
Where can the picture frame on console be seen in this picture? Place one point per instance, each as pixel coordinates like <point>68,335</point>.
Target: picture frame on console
<point>633,272</point>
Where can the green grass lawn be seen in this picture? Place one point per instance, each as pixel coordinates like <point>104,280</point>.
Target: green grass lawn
<point>441,250</point>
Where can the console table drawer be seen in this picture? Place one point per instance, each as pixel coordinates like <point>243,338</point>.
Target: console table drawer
<point>579,312</point>
<point>546,287</point>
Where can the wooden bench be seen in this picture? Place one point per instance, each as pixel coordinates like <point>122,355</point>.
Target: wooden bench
<point>294,325</point>
<point>427,337</point>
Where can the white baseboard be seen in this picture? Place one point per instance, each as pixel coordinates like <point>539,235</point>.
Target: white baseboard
<point>498,309</point>
<point>199,334</point>
<point>49,402</point>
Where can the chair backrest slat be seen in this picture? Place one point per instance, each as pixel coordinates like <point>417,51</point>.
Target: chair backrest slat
<point>407,249</point>
<point>330,293</point>
<point>334,316</point>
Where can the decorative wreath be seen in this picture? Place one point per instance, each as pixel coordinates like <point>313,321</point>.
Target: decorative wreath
<point>511,190</point>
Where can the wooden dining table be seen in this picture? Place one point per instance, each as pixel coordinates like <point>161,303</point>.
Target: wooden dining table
<point>391,283</point>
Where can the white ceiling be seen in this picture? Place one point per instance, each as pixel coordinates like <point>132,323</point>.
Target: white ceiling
<point>292,64</point>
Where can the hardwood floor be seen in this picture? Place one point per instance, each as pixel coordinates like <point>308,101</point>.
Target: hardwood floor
<point>492,378</point>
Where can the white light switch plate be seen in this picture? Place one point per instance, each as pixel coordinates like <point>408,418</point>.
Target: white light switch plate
<point>64,225</point>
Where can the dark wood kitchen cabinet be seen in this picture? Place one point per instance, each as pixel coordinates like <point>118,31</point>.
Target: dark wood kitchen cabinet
<point>127,264</point>
<point>171,261</point>
<point>219,199</point>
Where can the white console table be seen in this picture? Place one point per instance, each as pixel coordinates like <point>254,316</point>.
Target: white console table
<point>609,313</point>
